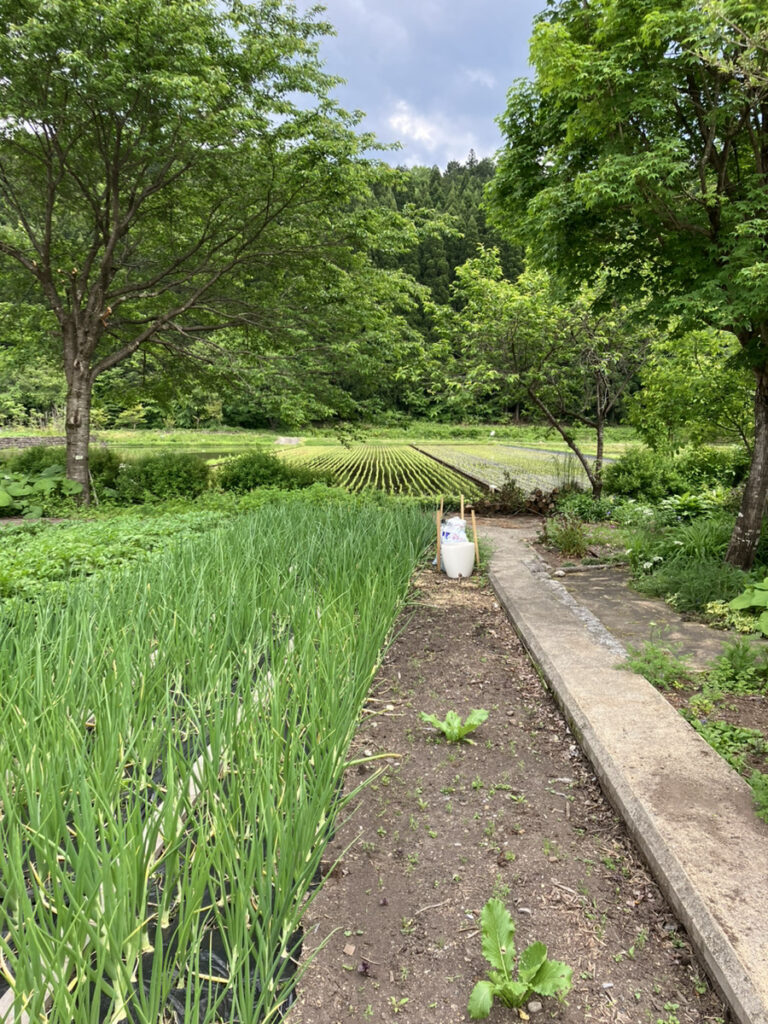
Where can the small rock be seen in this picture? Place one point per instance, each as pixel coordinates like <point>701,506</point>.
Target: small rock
<point>607,984</point>
<point>558,572</point>
<point>535,1006</point>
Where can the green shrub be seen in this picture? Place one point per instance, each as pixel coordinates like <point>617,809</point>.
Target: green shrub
<point>103,463</point>
<point>665,669</point>
<point>643,473</point>
<point>689,585</point>
<point>568,535</point>
<point>741,668</point>
<point>707,466</point>
<point>583,506</point>
<point>181,475</point>
<point>264,469</point>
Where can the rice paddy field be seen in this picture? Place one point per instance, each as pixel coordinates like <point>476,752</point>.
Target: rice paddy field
<point>394,468</point>
<point>173,740</point>
<point>490,463</point>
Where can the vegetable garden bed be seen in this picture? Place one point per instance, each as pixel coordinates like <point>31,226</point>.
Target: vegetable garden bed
<point>173,744</point>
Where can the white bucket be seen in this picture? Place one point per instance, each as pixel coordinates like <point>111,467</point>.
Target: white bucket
<point>458,559</point>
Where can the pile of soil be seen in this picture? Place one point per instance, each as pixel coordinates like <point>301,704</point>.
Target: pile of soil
<point>518,815</point>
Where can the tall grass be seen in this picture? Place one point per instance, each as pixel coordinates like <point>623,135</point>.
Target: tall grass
<point>173,741</point>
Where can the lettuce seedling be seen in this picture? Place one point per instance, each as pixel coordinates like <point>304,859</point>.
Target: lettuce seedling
<point>453,728</point>
<point>535,973</point>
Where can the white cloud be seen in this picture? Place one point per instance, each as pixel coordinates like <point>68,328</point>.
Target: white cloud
<point>434,134</point>
<point>479,76</point>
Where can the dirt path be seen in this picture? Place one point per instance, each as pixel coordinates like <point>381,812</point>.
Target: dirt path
<point>445,827</point>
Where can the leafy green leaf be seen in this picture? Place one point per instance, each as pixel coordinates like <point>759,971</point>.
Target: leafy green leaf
<point>71,487</point>
<point>762,623</point>
<point>44,484</point>
<point>5,499</point>
<point>452,727</point>
<point>531,960</point>
<point>498,936</point>
<point>481,1000</point>
<point>512,993</point>
<point>743,600</point>
<point>552,978</point>
<point>475,718</point>
<point>17,489</point>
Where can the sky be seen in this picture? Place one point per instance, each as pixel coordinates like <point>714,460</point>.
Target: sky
<point>431,74</point>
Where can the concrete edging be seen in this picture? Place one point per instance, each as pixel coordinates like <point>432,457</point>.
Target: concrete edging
<point>689,813</point>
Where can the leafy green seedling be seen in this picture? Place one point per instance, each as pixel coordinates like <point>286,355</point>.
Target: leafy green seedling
<point>453,728</point>
<point>535,973</point>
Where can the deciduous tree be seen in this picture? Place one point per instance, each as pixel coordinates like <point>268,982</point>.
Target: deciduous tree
<point>642,147</point>
<point>168,168</point>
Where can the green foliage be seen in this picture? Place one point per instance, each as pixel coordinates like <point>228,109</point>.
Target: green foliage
<point>754,599</point>
<point>536,974</point>
<point>173,475</point>
<point>568,535</point>
<point>609,167</point>
<point>644,474</point>
<point>733,743</point>
<point>660,666</point>
<point>690,585</point>
<point>694,387</point>
<point>585,507</point>
<point>521,342</point>
<point>452,726</point>
<point>759,783</point>
<point>741,668</point>
<point>134,692</point>
<point>104,464</point>
<point>264,469</point>
<point>706,466</point>
<point>33,495</point>
<point>685,507</point>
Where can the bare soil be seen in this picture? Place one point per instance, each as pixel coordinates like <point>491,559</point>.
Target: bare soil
<point>440,828</point>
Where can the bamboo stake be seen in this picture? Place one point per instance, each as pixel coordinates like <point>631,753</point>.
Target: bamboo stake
<point>474,534</point>
<point>462,506</point>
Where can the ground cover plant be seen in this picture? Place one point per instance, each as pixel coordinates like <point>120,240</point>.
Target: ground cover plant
<point>174,735</point>
<point>397,469</point>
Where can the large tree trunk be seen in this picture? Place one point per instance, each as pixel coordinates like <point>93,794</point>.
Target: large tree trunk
<point>746,532</point>
<point>78,425</point>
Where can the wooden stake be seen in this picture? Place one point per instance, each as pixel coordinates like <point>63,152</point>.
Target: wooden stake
<point>439,524</point>
<point>474,534</point>
<point>462,506</point>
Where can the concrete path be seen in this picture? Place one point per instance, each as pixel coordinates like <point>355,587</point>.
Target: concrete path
<point>690,814</point>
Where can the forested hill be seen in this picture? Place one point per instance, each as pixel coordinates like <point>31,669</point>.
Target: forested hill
<point>454,194</point>
<point>364,344</point>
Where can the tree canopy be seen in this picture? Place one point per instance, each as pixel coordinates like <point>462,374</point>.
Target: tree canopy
<point>167,169</point>
<point>641,148</point>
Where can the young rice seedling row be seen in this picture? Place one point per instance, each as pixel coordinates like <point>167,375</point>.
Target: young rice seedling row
<point>173,743</point>
<point>397,469</point>
<point>491,463</point>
